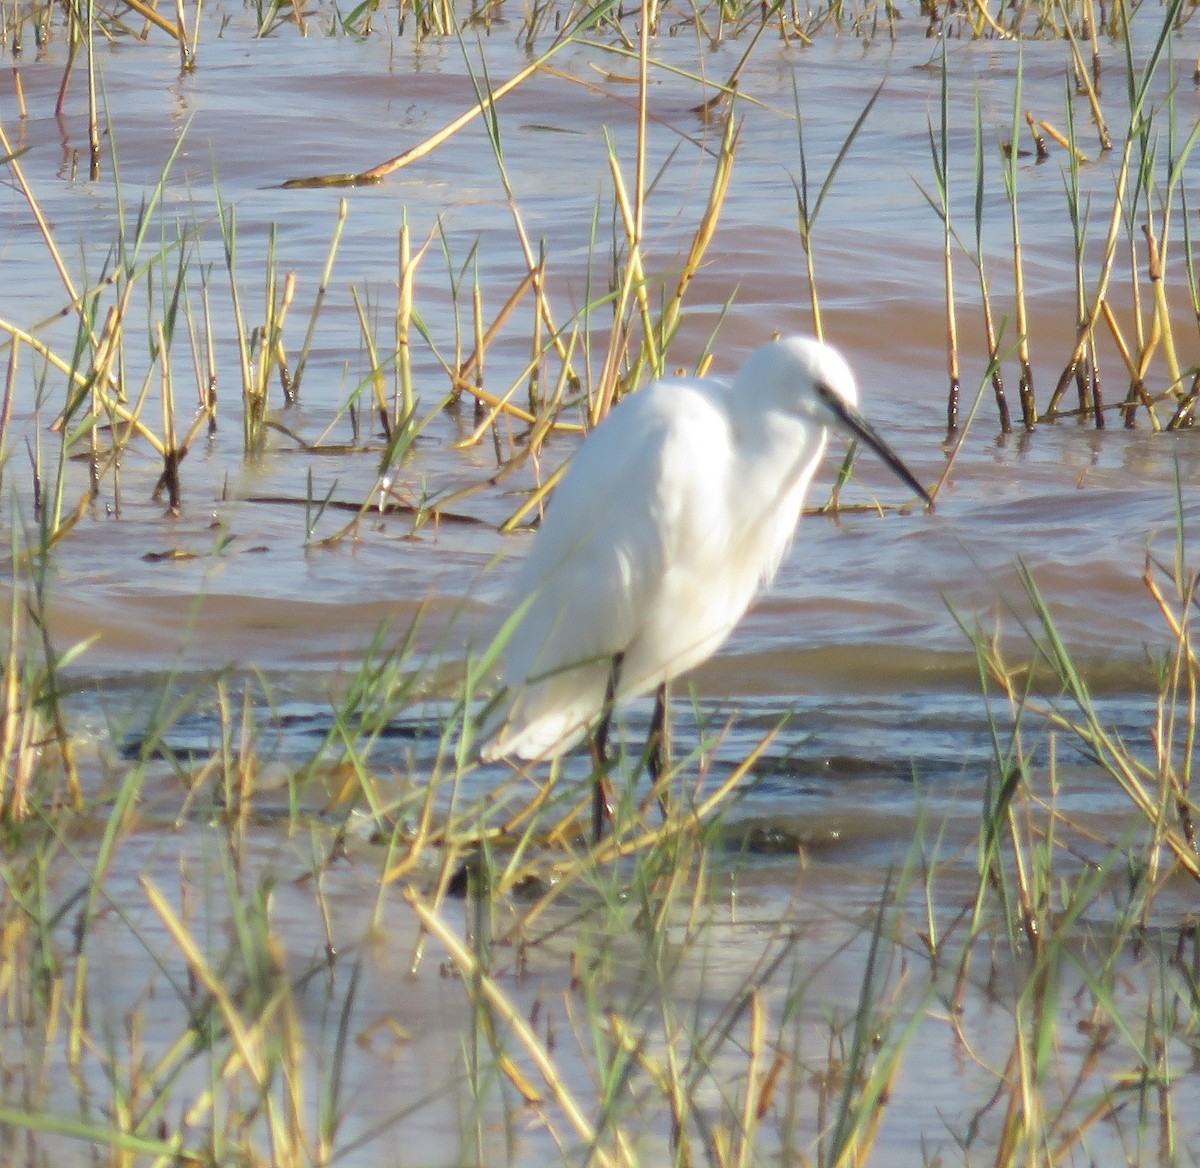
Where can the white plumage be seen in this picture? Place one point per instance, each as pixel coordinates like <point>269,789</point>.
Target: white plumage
<point>674,513</point>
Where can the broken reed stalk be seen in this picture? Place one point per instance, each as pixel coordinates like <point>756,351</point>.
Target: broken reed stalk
<point>187,43</point>
<point>469,375</point>
<point>1184,415</point>
<point>1086,84</point>
<point>82,383</point>
<point>156,18</point>
<point>93,448</point>
<point>1147,343</point>
<point>646,28</point>
<point>1143,345</point>
<point>380,171</point>
<point>1067,143</point>
<point>490,406</point>
<point>1162,310</point>
<point>278,351</point>
<point>1039,142</point>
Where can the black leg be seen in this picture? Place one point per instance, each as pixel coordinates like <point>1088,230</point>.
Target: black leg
<point>600,808</point>
<point>658,746</point>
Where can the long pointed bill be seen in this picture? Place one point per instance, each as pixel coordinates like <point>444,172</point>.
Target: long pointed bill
<point>853,421</point>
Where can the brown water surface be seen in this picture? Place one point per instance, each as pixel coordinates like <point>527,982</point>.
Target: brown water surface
<point>858,643</point>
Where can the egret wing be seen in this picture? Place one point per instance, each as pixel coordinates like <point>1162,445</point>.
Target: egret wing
<point>596,570</point>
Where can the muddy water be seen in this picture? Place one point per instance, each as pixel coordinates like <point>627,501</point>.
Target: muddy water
<point>858,642</point>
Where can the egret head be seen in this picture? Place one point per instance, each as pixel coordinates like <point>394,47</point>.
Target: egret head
<point>809,379</point>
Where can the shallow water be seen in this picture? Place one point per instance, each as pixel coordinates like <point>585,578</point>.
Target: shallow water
<point>1079,506</point>
<point>858,644</point>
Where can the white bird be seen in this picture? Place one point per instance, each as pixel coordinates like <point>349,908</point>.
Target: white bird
<point>676,510</point>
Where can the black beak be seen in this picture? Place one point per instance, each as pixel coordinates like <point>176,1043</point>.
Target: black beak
<point>857,425</point>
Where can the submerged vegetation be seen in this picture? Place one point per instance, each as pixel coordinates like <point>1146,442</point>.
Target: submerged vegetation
<point>470,971</point>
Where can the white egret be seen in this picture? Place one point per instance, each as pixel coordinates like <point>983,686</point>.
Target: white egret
<point>675,511</point>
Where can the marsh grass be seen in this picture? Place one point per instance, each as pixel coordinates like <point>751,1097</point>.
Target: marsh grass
<point>613,1003</point>
<point>111,391</point>
<point>601,1011</point>
<point>1143,215</point>
<point>600,1008</point>
<point>37,754</point>
<point>1120,883</point>
<point>587,1024</point>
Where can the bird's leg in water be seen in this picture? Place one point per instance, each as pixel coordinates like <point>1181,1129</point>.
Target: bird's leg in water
<point>658,749</point>
<point>601,801</point>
